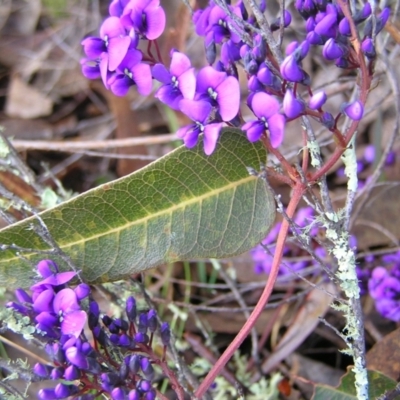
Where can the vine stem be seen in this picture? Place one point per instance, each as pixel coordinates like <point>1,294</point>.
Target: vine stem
<point>298,192</point>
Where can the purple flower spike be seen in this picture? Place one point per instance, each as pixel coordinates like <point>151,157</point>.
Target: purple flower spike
<point>146,17</point>
<point>220,90</point>
<point>332,50</point>
<point>354,110</point>
<point>266,108</point>
<point>179,83</point>
<point>291,70</point>
<point>317,100</point>
<point>199,112</point>
<point>291,105</point>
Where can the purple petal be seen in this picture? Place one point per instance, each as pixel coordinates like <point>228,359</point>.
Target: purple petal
<point>90,69</point>
<point>47,394</point>
<point>254,130</point>
<point>73,323</point>
<point>82,291</point>
<point>65,301</point>
<point>161,74</point>
<point>179,63</point>
<point>181,132</point>
<point>44,302</point>
<point>93,47</point>
<point>22,296</point>
<point>117,50</point>
<point>141,74</point>
<point>187,84</point>
<point>276,127</point>
<point>105,74</point>
<point>46,268</point>
<point>132,58</point>
<point>76,357</point>
<point>211,134</point>
<point>332,50</point>
<point>228,98</point>
<point>208,77</point>
<point>120,84</point>
<point>323,27</point>
<point>111,28</point>
<point>155,20</point>
<point>191,137</point>
<point>264,105</point>
<point>169,95</point>
<point>47,318</point>
<point>196,110</point>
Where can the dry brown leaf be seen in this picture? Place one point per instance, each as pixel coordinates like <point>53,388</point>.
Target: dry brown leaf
<point>377,224</point>
<point>385,355</point>
<point>24,101</point>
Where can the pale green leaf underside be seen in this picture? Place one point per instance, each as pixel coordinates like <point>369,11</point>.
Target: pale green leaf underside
<point>184,206</point>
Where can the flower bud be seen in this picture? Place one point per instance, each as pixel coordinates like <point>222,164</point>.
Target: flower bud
<point>134,395</point>
<point>131,309</point>
<point>57,373</point>
<point>332,50</point>
<point>165,333</point>
<point>344,27</point>
<point>82,291</point>
<point>72,373</point>
<point>292,106</point>
<point>118,394</point>
<point>41,370</point>
<point>143,323</point>
<point>314,39</point>
<point>143,386</point>
<point>63,391</point>
<point>317,100</point>
<point>76,357</point>
<point>134,363</point>
<point>291,70</point>
<point>147,368</point>
<point>152,320</point>
<point>93,315</point>
<point>328,120</point>
<point>354,110</point>
<point>368,48</point>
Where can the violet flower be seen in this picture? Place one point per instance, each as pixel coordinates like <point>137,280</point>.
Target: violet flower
<point>179,83</point>
<point>220,90</point>
<point>199,112</point>
<point>266,108</point>
<point>354,111</point>
<point>146,17</point>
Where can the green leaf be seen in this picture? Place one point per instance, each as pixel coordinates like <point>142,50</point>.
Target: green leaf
<point>378,385</point>
<point>184,206</point>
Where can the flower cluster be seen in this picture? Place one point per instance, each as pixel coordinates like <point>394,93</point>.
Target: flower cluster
<point>211,98</point>
<point>118,362</point>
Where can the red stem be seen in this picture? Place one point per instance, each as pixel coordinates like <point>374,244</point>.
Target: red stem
<point>247,327</point>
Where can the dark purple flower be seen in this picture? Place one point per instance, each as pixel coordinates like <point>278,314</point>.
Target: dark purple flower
<point>354,111</point>
<point>152,320</point>
<point>72,318</point>
<point>131,308</point>
<point>146,17</point>
<point>147,368</point>
<point>317,100</point>
<point>220,90</point>
<point>380,22</point>
<point>165,333</point>
<point>291,105</point>
<point>266,108</point>
<point>199,112</point>
<point>179,82</point>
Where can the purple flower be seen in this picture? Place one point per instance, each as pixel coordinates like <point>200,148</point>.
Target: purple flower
<point>327,26</point>
<point>199,112</point>
<point>287,19</point>
<point>131,72</point>
<point>117,7</point>
<point>76,357</point>
<point>146,17</point>
<point>266,108</point>
<point>368,48</point>
<point>291,105</point>
<point>354,110</point>
<point>165,333</point>
<point>317,100</point>
<point>220,90</point>
<point>72,318</point>
<point>179,83</point>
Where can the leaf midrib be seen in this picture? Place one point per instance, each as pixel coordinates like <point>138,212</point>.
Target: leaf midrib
<point>169,210</point>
